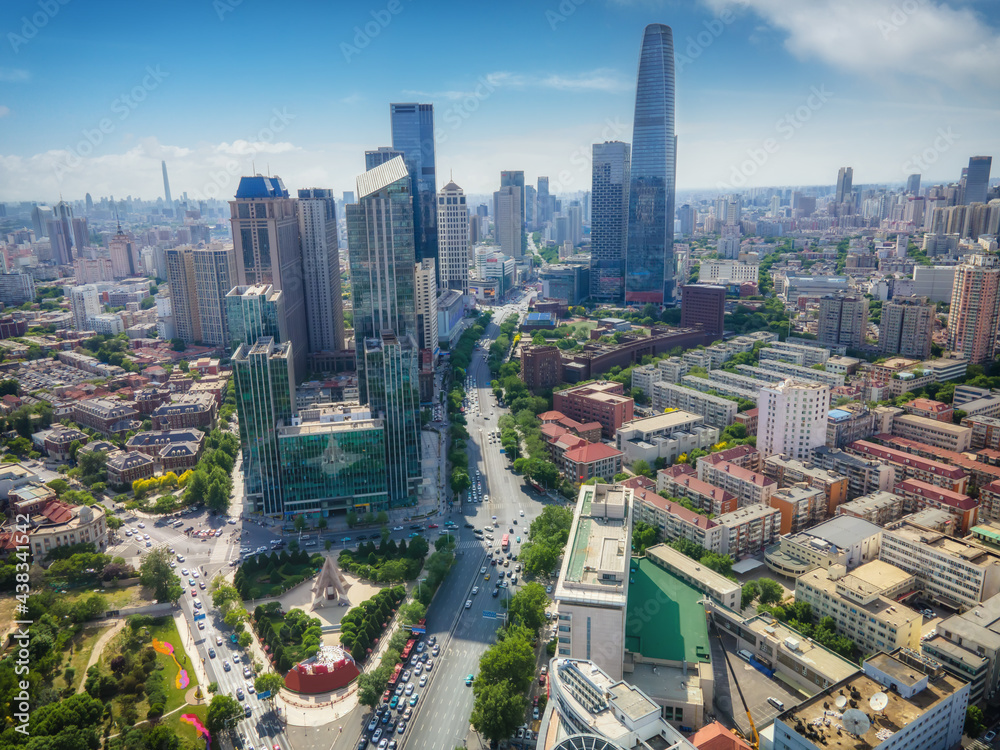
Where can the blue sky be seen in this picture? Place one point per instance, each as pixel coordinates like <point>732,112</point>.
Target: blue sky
<point>769,92</point>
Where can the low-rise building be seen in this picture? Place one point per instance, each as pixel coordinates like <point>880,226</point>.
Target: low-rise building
<point>58,524</point>
<point>681,481</point>
<point>909,466</point>
<point>799,507</point>
<point>749,486</point>
<point>190,410</point>
<point>674,521</point>
<point>944,435</point>
<point>665,436</point>
<point>590,461</point>
<point>842,540</point>
<point>714,585</point>
<point>107,417</point>
<point>864,476</point>
<point>749,529</point>
<point>919,495</point>
<point>604,402</point>
<point>881,508</point>
<point>791,471</point>
<point>968,645</point>
<point>985,432</point>
<point>844,425</point>
<point>717,411</point>
<point>172,450</point>
<point>59,440</point>
<point>125,467</point>
<point>929,408</point>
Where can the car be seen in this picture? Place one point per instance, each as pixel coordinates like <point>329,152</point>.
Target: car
<point>236,658</point>
<point>423,680</point>
<point>250,688</point>
<point>145,536</point>
<point>393,701</point>
<point>493,562</point>
<point>416,526</point>
<point>522,514</point>
<point>149,543</point>
<point>397,528</point>
<point>417,669</point>
<point>383,744</point>
<point>496,593</point>
<point>534,713</point>
<point>142,525</point>
<point>517,539</point>
<point>409,689</point>
<point>373,724</point>
<point>432,526</point>
<point>482,570</point>
<point>401,728</point>
<point>247,712</point>
<point>201,624</point>
<point>218,640</point>
<point>211,653</point>
<point>990,736</point>
<point>406,676</point>
<point>239,694</point>
<point>247,673</point>
<point>226,665</point>
<point>475,590</point>
<point>197,604</point>
<point>399,689</point>
<point>195,573</point>
<point>362,743</point>
<point>468,680</point>
<point>194,592</point>
<point>548,589</point>
<point>128,532</point>
<point>429,664</point>
<point>437,650</point>
<point>413,699</point>
<point>377,734</point>
<point>173,564</point>
<point>468,603</point>
<point>191,582</point>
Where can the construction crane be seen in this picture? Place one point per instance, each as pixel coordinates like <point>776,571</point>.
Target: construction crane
<point>753,741</point>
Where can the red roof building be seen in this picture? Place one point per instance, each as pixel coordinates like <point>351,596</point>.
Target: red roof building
<point>909,466</point>
<point>674,521</point>
<point>926,407</point>
<point>686,485</point>
<point>714,736</point>
<point>918,495</point>
<point>591,460</point>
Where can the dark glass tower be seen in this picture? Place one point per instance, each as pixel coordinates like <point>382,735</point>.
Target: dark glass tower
<point>609,220</point>
<point>413,135</point>
<point>649,261</point>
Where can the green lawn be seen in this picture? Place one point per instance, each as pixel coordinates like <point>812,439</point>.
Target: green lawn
<point>265,585</point>
<point>188,735</point>
<point>664,619</point>
<point>83,646</point>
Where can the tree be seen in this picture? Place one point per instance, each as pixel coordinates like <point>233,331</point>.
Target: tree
<point>269,681</point>
<point>642,468</point>
<point>974,721</point>
<point>93,462</point>
<point>771,591</point>
<point>643,537</point>
<point>156,574</point>
<point>412,613</point>
<point>299,523</point>
<point>498,711</point>
<point>511,659</point>
<point>222,710</point>
<point>218,496</point>
<point>748,594</point>
<point>10,387</point>
<point>178,345</point>
<point>371,685</point>
<point>527,606</point>
<point>460,481</point>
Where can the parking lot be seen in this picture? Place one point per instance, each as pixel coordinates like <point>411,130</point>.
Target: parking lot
<point>757,688</point>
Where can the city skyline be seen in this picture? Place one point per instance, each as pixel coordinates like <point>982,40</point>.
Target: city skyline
<point>541,112</point>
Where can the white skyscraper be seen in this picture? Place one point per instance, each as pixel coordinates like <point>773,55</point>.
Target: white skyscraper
<point>85,304</point>
<point>729,242</point>
<point>792,418</point>
<point>453,238</point>
<point>321,269</point>
<point>426,294</point>
<point>507,219</point>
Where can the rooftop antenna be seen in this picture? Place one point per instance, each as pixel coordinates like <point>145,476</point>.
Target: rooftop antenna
<point>253,166</point>
<point>856,722</point>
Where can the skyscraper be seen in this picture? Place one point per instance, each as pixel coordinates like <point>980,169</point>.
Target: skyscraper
<point>321,267</point>
<point>124,255</point>
<point>974,314</point>
<point>268,251</point>
<point>453,238</point>
<point>380,156</point>
<point>515,178</point>
<point>184,292</point>
<point>913,184</point>
<point>792,418</point>
<point>413,135</point>
<point>845,178</point>
<point>381,248</point>
<point>507,220</point>
<point>84,303</point>
<point>166,186</point>
<point>253,312</point>
<point>544,202</point>
<point>609,223</point>
<point>89,203</point>
<point>906,327</point>
<point>649,260</point>
<point>977,179</point>
<point>214,278</point>
<point>843,320</point>
<point>60,230</point>
<point>530,206</point>
<point>40,218</point>
<point>425,279</point>
<point>264,379</point>
<point>81,234</point>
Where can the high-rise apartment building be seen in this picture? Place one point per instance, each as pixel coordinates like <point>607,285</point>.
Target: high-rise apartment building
<point>124,256</point>
<point>380,156</point>
<point>184,292</point>
<point>426,300</point>
<point>845,178</point>
<point>507,220</point>
<point>380,238</point>
<point>264,379</point>
<point>515,178</point>
<point>453,238</point>
<point>649,259</point>
<point>268,251</point>
<point>254,312</point>
<point>843,320</point>
<point>906,327</point>
<point>81,234</point>
<point>214,278</point>
<point>413,134</point>
<point>977,179</point>
<point>913,184</point>
<point>166,186</point>
<point>84,303</point>
<point>792,417</point>
<point>321,269</point>
<point>975,308</point>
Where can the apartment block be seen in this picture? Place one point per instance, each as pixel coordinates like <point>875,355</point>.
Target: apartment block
<point>968,645</point>
<point>929,408</point>
<point>790,471</point>
<point>590,461</point>
<point>717,412</point>
<point>602,402</point>
<point>541,367</point>
<point>989,501</point>
<point>918,495</point>
<point>844,425</point>
<point>909,466</point>
<point>665,436</point>
<point>749,486</point>
<point>951,437</point>
<point>881,508</point>
<point>749,529</point>
<point>800,506</point>
<point>864,476</point>
<point>681,481</point>
<point>674,521</point>
<point>980,473</point>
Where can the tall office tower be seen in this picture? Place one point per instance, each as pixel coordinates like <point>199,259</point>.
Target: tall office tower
<point>453,238</point>
<point>913,212</point>
<point>609,224</point>
<point>843,320</point>
<point>732,209</point>
<point>792,417</point>
<point>906,327</point>
<point>81,234</point>
<point>380,156</point>
<point>268,250</point>
<point>40,218</point>
<point>214,278</point>
<point>649,259</point>
<point>321,267</point>
<point>60,232</point>
<point>475,233</point>
<point>124,255</point>
<point>729,242</point>
<point>574,216</point>
<point>975,308</point>
<point>84,303</point>
<point>253,312</point>
<point>264,379</point>
<point>413,134</point>
<point>703,305</point>
<point>913,184</point>
<point>381,248</point>
<point>89,203</point>
<point>483,212</point>
<point>688,216</point>
<point>425,278</point>
<point>544,201</point>
<point>775,205</point>
<point>515,178</point>
<point>348,197</point>
<point>977,179</point>
<point>166,186</point>
<point>183,292</point>
<point>507,220</point>
<point>845,178</point>
<point>530,206</point>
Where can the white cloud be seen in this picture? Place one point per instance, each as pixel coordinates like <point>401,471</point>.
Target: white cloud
<point>14,75</point>
<point>601,80</point>
<point>4,111</point>
<point>922,39</point>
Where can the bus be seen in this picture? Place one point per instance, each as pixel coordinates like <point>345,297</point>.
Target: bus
<point>505,542</point>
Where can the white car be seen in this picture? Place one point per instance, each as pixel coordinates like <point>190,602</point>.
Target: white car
<point>423,680</point>
<point>522,514</point>
<point>184,571</point>
<point>397,528</point>
<point>468,603</point>
<point>475,590</point>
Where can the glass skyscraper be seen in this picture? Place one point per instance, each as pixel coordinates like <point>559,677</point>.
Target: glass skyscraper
<point>609,222</point>
<point>413,135</point>
<point>649,261</point>
<point>253,312</point>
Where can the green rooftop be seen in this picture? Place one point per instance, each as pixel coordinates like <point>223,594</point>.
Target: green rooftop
<point>664,619</point>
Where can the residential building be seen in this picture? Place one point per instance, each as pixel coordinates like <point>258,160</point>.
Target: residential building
<point>880,507</point>
<point>909,466</point>
<point>125,467</point>
<point>184,293</point>
<point>745,456</point>
<point>105,416</point>
<point>425,281</point>
<point>413,135</point>
<point>843,320</point>
<point>680,481</point>
<point>59,442</point>
<point>664,436</point>
<point>713,585</point>
<point>796,354</point>
<point>124,254</point>
<point>906,327</point>
<point>188,411</point>
<point>925,407</point>
<point>609,220</point>
<point>981,473</point>
<point>985,432</point>
<point>793,418</point>
<point>968,644</point>
<point>844,425</point>
<point>790,471</point>
<point>593,460</point>
<point>604,402</point>
<point>107,324</point>
<point>926,706</point>
<point>772,368</point>
<point>264,382</point>
<point>674,521</point>
<point>591,594</point>
<point>85,303</point>
<point>717,412</point>
<point>727,271</point>
<point>800,506</point>
<point>983,407</point>
<point>541,367</point>
<point>649,259</point>
<point>453,238</point>
<point>956,572</point>
<point>703,305</point>
<point>918,495</point>
<point>214,278</point>
<point>268,247</point>
<point>317,216</point>
<point>749,529</point>
<point>951,437</point>
<point>749,486</point>
<point>843,540</point>
<point>749,419</point>
<point>974,315</point>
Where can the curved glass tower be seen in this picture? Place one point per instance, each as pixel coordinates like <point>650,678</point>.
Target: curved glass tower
<point>649,260</point>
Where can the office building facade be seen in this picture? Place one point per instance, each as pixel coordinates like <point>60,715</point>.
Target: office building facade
<point>317,213</point>
<point>253,312</point>
<point>453,239</point>
<point>413,135</point>
<point>609,223</point>
<point>703,305</point>
<point>507,220</point>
